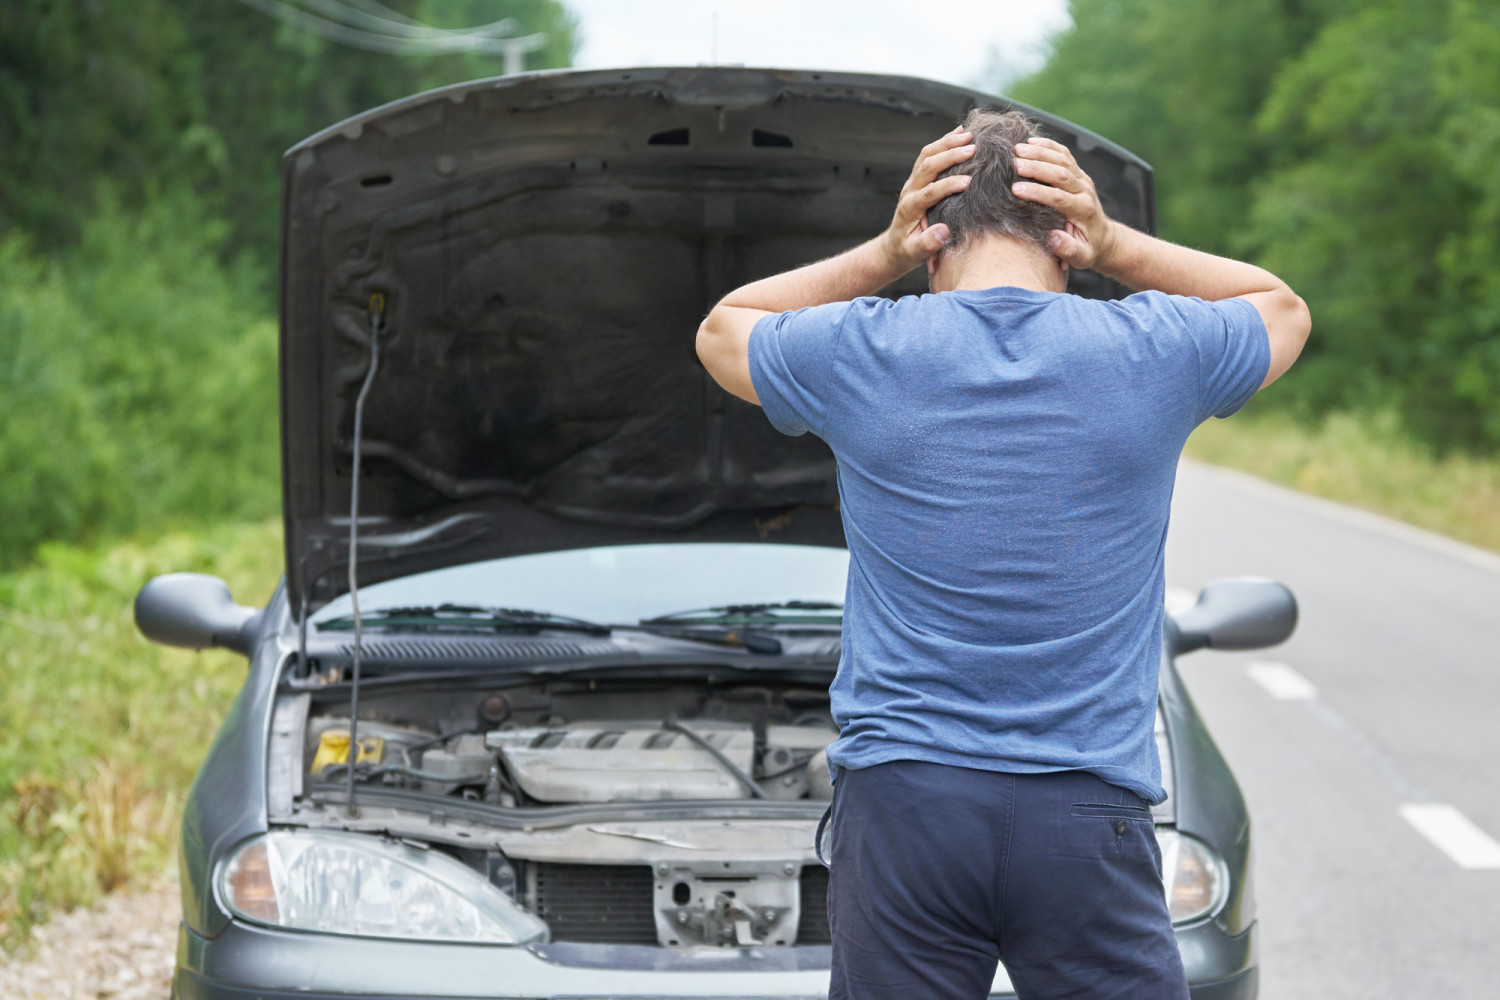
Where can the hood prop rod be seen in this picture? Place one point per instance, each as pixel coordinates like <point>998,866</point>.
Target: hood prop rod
<point>377,316</point>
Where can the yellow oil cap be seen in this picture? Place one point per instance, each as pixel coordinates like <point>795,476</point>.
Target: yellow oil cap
<point>333,748</point>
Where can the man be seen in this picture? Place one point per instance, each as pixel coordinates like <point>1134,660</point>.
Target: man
<point>1006,455</point>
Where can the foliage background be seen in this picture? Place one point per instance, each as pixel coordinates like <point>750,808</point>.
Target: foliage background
<point>140,145</point>
<point>1349,146</point>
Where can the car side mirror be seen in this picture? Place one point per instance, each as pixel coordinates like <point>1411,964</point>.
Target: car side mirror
<point>194,611</point>
<point>1239,613</point>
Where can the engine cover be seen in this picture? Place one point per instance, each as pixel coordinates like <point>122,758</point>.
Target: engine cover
<point>625,761</point>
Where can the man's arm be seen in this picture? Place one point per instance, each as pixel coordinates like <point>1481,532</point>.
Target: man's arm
<point>1093,240</point>
<point>724,336</point>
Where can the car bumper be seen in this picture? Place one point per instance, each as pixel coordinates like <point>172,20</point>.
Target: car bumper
<point>257,963</point>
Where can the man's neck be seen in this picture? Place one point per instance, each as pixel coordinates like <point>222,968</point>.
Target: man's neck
<point>994,261</point>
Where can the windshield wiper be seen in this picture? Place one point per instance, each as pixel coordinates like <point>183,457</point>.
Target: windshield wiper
<point>465,617</point>
<point>762,613</point>
<point>755,642</point>
<point>469,617</point>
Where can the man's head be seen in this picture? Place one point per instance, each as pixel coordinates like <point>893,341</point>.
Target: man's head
<point>988,207</point>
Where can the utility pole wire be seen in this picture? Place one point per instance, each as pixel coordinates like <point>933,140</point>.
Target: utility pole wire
<point>502,27</point>
<point>363,16</point>
<point>409,38</point>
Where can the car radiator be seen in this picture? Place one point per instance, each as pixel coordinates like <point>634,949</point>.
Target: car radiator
<point>607,904</point>
<point>812,923</point>
<point>612,904</point>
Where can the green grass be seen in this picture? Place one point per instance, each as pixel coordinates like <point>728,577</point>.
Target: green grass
<point>100,731</point>
<point>1365,461</point>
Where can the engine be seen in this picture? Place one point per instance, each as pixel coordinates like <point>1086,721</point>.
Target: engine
<point>692,875</point>
<point>556,761</point>
<point>642,761</point>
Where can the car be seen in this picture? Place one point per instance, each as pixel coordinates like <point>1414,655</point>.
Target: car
<point>566,735</point>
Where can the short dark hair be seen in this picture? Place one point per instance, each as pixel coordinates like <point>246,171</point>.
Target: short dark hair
<point>988,205</point>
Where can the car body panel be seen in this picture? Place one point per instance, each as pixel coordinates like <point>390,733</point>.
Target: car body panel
<point>1209,805</point>
<point>227,801</point>
<point>257,958</point>
<point>228,804</point>
<point>538,260</point>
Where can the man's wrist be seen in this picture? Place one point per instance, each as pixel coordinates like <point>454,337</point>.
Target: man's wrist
<point>885,261</point>
<point>1107,257</point>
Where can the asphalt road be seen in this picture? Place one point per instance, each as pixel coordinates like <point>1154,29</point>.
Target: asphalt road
<point>1399,638</point>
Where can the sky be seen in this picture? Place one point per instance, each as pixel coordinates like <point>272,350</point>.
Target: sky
<point>978,43</point>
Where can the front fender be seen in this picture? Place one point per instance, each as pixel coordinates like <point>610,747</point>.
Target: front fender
<point>1209,804</point>
<point>227,801</point>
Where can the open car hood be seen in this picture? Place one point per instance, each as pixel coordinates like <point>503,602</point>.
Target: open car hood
<point>541,249</point>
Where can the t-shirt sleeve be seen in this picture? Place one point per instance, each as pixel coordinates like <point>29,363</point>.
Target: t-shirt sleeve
<point>792,357</point>
<point>1233,349</point>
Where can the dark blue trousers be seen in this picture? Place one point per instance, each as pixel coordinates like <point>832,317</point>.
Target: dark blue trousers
<point>939,872</point>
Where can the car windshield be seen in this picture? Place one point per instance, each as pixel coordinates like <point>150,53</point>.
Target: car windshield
<point>623,583</point>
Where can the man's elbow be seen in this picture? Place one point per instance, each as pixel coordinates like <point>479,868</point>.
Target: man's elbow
<point>1299,317</point>
<point>712,347</point>
<point>1288,327</point>
<point>723,348</point>
<point>706,342</point>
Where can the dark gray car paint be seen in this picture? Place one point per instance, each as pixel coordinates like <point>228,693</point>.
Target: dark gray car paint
<point>1209,803</point>
<point>227,802</point>
<point>541,265</point>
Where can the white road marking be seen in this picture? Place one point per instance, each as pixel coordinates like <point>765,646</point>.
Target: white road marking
<point>1454,834</point>
<point>1281,681</point>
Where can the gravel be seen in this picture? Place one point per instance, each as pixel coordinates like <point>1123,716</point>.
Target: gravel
<point>122,949</point>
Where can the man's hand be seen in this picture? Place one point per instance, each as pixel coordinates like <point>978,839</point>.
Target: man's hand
<point>909,240</point>
<point>724,336</point>
<point>1057,180</point>
<point>1141,262</point>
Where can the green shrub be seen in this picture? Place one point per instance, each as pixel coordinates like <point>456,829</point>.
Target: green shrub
<point>137,382</point>
<point>100,731</point>
<point>1348,147</point>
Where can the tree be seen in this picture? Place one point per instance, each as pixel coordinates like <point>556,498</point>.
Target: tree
<point>1348,147</point>
<point>204,94</point>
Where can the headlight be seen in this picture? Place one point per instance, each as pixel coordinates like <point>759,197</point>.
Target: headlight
<point>1195,878</point>
<point>343,883</point>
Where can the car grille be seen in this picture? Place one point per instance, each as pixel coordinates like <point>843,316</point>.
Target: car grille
<point>812,927</point>
<point>613,904</point>
<point>610,904</point>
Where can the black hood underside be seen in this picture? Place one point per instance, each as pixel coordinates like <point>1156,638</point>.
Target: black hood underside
<point>540,250</point>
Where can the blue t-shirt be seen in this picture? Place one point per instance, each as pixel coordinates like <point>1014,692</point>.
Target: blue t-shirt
<point>1005,468</point>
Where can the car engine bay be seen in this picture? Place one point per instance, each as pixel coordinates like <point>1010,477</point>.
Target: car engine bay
<point>619,813</point>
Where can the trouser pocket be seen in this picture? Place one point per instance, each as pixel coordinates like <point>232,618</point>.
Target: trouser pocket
<point>823,839</point>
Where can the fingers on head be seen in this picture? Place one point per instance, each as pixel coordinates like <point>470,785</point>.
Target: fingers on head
<point>1065,247</point>
<point>1048,173</point>
<point>933,238</point>
<point>1034,153</point>
<point>945,142</point>
<point>939,162</point>
<point>1052,144</point>
<point>942,188</point>
<point>1044,194</point>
